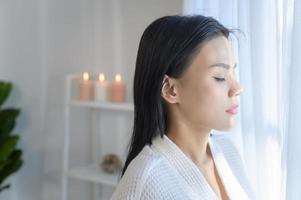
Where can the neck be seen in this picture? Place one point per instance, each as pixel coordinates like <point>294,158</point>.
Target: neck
<point>194,143</point>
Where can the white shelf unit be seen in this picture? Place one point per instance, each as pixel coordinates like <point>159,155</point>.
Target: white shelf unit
<point>90,172</point>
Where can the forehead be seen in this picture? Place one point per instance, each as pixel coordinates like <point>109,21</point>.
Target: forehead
<point>217,50</point>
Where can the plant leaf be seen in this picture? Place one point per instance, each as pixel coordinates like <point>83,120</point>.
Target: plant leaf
<point>13,164</point>
<point>5,88</point>
<point>7,122</point>
<point>8,147</point>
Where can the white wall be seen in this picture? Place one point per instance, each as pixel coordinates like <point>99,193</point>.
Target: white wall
<point>21,62</point>
<point>43,40</point>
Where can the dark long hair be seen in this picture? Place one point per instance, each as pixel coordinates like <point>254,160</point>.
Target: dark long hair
<point>167,46</point>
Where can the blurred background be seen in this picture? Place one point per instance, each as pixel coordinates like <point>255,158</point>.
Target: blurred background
<point>46,45</point>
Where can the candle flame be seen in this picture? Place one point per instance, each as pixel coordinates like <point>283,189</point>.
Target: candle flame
<point>118,78</point>
<point>101,77</point>
<point>86,76</point>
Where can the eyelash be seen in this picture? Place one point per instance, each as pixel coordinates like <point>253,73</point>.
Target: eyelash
<point>219,79</point>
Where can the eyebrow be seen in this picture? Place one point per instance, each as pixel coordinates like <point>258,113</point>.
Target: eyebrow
<point>224,65</point>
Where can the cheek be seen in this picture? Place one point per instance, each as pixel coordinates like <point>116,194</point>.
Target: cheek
<point>212,94</point>
<point>211,100</point>
<point>213,106</point>
<point>204,100</point>
<point>205,104</point>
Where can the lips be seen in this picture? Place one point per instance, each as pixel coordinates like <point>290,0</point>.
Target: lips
<point>233,110</point>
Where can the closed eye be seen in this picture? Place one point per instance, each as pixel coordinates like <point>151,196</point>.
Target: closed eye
<point>219,79</point>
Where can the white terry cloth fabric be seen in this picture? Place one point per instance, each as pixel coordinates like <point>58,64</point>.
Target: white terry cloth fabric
<point>163,171</point>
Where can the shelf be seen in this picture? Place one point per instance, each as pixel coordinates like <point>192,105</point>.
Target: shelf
<point>91,173</point>
<point>95,174</point>
<point>103,105</point>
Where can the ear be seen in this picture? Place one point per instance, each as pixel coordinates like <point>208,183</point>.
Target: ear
<point>169,90</point>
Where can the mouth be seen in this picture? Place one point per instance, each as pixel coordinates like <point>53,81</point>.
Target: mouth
<point>233,110</point>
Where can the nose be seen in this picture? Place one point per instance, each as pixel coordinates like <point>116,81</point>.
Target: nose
<point>236,89</point>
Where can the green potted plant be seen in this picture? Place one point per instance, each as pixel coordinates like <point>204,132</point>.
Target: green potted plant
<point>10,155</point>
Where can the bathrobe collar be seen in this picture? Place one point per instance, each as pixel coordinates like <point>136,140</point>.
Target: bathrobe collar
<point>193,175</point>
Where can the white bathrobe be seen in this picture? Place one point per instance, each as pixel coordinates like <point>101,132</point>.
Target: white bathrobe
<point>163,171</point>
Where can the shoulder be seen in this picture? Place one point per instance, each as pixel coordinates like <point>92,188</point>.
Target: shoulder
<point>137,175</point>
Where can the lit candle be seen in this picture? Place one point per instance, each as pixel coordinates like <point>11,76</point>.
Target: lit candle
<point>101,88</point>
<point>117,90</point>
<point>86,92</point>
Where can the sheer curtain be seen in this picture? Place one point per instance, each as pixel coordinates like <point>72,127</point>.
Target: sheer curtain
<point>267,56</point>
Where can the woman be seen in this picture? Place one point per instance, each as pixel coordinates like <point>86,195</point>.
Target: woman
<point>184,87</point>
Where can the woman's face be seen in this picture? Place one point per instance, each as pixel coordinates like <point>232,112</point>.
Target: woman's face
<point>209,88</point>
